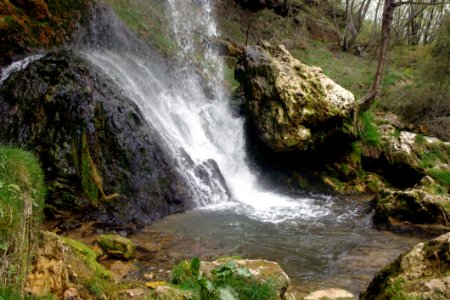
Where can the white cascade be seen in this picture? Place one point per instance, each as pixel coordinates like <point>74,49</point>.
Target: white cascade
<point>205,139</point>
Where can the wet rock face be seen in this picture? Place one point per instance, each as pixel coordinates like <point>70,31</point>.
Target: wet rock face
<point>101,158</point>
<point>421,273</point>
<point>293,107</point>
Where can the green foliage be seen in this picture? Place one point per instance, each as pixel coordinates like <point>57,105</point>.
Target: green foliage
<point>227,281</point>
<point>22,194</point>
<point>368,130</point>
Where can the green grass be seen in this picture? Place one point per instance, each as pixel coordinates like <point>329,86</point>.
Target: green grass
<point>22,194</point>
<point>441,176</point>
<point>10,294</point>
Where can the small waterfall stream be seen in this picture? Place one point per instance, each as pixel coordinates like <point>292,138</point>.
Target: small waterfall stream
<point>193,116</point>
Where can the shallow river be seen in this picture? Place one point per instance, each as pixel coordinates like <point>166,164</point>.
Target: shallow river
<point>339,249</point>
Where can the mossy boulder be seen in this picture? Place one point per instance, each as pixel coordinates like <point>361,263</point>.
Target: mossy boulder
<point>101,158</point>
<point>292,106</point>
<point>421,273</point>
<point>413,208</point>
<point>116,246</point>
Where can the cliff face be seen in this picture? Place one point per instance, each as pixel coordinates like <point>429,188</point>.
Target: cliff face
<point>101,158</point>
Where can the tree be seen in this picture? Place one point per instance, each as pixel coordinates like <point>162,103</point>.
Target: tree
<point>386,26</point>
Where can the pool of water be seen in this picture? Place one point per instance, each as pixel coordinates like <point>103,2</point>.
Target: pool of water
<point>337,249</point>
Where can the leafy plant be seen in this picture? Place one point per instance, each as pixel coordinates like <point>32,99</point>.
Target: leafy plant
<point>226,281</point>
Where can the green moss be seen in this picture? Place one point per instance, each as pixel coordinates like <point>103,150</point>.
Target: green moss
<point>22,194</point>
<point>368,130</point>
<point>88,184</point>
<point>116,245</point>
<point>88,256</point>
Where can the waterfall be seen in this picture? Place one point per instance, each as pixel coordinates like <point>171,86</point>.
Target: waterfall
<point>189,108</point>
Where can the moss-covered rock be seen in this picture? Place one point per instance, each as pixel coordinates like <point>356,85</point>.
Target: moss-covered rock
<point>412,209</point>
<point>292,106</point>
<point>63,263</point>
<point>100,156</point>
<point>116,246</point>
<point>422,273</point>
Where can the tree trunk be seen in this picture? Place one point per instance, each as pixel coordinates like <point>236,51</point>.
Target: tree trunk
<point>388,12</point>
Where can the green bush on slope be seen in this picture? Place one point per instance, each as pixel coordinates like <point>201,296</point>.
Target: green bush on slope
<point>22,194</point>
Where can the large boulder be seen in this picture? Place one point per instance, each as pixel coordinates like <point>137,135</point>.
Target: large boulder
<point>293,107</point>
<point>100,156</point>
<point>422,273</point>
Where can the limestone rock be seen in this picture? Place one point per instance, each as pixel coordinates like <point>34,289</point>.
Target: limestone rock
<point>421,273</point>
<point>71,294</point>
<point>116,246</point>
<point>329,294</point>
<point>63,268</point>
<point>261,269</point>
<point>293,107</point>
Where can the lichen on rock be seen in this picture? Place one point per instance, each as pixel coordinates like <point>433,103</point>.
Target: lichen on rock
<point>293,107</point>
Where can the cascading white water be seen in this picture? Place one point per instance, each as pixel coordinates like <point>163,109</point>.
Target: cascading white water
<point>17,66</point>
<point>205,138</point>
